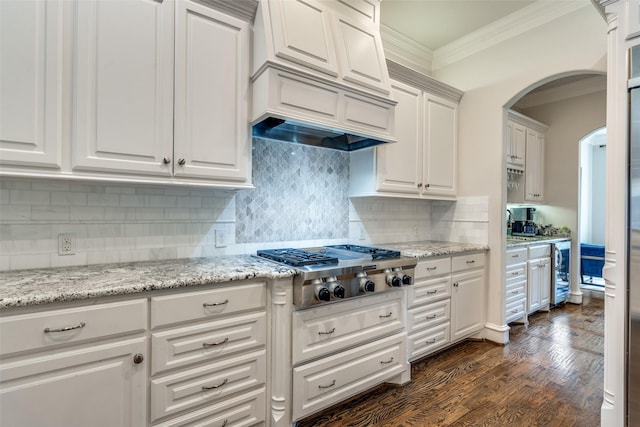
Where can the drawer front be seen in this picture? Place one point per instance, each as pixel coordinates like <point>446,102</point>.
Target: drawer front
<point>317,332</point>
<point>516,273</point>
<point>467,262</point>
<point>515,291</point>
<point>432,267</point>
<point>49,328</point>
<point>516,310</point>
<point>427,316</point>
<point>516,256</point>
<point>208,383</point>
<point>428,340</point>
<point>166,310</point>
<point>539,251</point>
<point>204,341</point>
<point>427,291</point>
<point>320,384</point>
<point>246,410</point>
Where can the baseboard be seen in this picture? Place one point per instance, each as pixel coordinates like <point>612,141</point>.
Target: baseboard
<point>496,333</point>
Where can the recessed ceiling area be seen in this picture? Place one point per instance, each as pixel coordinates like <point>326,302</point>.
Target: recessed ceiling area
<point>436,23</point>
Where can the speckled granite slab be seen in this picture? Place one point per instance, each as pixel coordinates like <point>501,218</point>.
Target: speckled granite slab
<point>520,241</point>
<point>33,287</point>
<point>431,248</point>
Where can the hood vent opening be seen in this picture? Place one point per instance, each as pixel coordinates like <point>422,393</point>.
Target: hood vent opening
<point>282,130</point>
<point>320,77</point>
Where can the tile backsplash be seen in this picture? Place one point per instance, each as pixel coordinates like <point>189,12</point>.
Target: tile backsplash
<point>300,200</point>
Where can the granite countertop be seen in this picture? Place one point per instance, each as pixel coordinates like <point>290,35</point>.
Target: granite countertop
<point>34,287</point>
<point>432,248</point>
<point>523,241</point>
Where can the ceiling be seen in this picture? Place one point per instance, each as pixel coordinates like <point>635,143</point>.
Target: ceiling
<point>436,23</point>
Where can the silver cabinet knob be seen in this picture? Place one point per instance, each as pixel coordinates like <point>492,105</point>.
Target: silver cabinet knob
<point>419,185</point>
<point>138,358</point>
<point>181,162</point>
<point>166,160</point>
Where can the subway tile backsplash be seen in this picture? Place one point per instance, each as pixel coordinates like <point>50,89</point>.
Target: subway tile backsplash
<point>301,199</point>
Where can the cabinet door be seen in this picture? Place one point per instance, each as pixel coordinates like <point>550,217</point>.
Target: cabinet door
<point>123,86</point>
<point>31,82</point>
<point>440,155</point>
<point>517,145</point>
<point>545,282</point>
<point>211,94</point>
<point>467,303</point>
<point>302,34</point>
<point>534,170</point>
<point>399,165</point>
<point>360,53</point>
<point>98,386</point>
<point>533,291</point>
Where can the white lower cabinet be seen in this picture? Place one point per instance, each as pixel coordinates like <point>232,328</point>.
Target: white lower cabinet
<point>343,349</point>
<point>516,285</point>
<point>467,297</point>
<point>539,278</point>
<point>82,373</point>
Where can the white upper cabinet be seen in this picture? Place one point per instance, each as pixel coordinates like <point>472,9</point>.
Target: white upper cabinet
<point>516,146</point>
<point>534,170</point>
<point>440,147</point>
<point>211,94</point>
<point>423,163</point>
<point>31,83</point>
<point>123,86</point>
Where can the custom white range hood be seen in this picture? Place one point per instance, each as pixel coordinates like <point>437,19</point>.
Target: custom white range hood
<point>320,75</point>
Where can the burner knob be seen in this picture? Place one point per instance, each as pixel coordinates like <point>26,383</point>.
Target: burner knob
<point>337,290</point>
<point>367,286</point>
<point>406,279</point>
<point>393,281</point>
<point>322,293</point>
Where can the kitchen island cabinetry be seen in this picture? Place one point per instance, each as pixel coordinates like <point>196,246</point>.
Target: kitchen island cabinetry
<point>423,163</point>
<point>467,296</point>
<point>75,367</point>
<point>148,101</point>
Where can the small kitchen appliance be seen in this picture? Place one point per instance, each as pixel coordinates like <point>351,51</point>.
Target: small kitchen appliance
<point>329,274</point>
<point>523,222</point>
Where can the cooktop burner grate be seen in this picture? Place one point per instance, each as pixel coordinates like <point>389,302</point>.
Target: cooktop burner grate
<point>297,257</point>
<point>376,253</point>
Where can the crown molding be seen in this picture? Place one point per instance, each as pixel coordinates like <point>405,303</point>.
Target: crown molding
<point>527,121</point>
<point>512,25</point>
<point>587,86</point>
<point>403,50</point>
<point>428,84</point>
<point>241,9</point>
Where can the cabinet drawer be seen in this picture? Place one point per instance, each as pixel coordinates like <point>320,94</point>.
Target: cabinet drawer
<point>433,267</point>
<point>208,383</point>
<point>196,343</point>
<point>429,315</point>
<point>467,262</point>
<point>246,410</point>
<point>539,251</point>
<point>321,330</point>
<point>426,341</point>
<point>320,384</point>
<point>516,310</point>
<point>516,273</point>
<point>166,310</point>
<point>515,291</point>
<point>516,256</point>
<point>426,291</point>
<point>49,328</point>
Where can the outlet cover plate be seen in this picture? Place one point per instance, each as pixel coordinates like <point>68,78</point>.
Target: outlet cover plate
<point>66,244</point>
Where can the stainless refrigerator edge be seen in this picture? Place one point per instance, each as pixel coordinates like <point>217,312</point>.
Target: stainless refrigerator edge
<point>633,239</point>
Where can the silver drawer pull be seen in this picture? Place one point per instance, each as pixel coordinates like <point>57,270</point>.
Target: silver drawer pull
<point>435,291</point>
<point>515,256</point>
<point>386,316</point>
<point>431,341</point>
<point>66,328</point>
<point>432,268</point>
<point>515,310</point>
<point>515,292</point>
<point>515,273</point>
<point>212,387</point>
<point>328,386</point>
<point>327,332</point>
<point>215,304</point>
<point>213,344</point>
<point>386,362</point>
<point>471,261</point>
<point>432,316</point>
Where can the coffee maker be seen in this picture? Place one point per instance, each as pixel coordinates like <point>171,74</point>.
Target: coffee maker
<point>523,222</point>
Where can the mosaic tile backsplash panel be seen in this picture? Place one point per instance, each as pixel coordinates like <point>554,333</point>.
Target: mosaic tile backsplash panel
<point>301,194</point>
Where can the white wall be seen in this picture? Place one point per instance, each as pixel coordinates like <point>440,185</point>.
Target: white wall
<point>492,80</point>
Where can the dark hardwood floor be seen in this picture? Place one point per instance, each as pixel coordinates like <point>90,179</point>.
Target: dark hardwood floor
<point>550,374</point>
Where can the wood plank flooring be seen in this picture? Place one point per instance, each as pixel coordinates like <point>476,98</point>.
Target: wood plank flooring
<point>550,374</point>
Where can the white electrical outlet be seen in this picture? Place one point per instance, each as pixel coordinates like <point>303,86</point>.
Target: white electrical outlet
<point>66,244</point>
<point>221,239</point>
